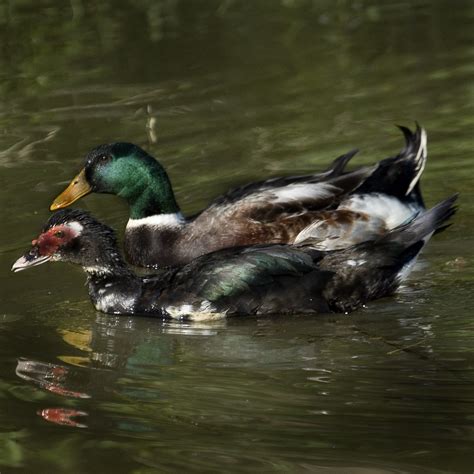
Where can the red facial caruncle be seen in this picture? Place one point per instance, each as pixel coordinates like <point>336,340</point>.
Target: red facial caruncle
<point>49,242</point>
<point>47,245</point>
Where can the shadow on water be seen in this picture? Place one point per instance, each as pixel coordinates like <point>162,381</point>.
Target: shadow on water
<point>223,92</point>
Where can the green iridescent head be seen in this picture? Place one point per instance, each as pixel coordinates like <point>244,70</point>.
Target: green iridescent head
<point>128,171</point>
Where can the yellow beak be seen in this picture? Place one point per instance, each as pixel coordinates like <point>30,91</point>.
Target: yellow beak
<point>77,188</point>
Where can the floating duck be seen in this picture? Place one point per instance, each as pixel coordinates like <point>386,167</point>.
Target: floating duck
<point>260,279</point>
<point>335,209</point>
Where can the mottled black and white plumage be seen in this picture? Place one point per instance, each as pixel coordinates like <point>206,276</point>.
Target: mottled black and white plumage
<point>261,279</point>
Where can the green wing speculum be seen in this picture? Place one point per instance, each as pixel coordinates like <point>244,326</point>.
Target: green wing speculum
<point>250,270</point>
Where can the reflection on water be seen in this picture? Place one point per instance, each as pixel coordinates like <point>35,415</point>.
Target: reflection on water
<point>63,416</point>
<point>223,92</point>
<point>51,377</point>
<point>312,384</point>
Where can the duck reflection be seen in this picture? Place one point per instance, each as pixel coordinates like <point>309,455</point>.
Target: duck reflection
<point>54,378</point>
<point>134,374</point>
<point>63,416</point>
<point>51,377</point>
<point>121,343</point>
<point>109,346</point>
<point>102,356</point>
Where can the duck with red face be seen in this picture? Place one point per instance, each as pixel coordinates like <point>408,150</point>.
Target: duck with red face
<point>48,245</point>
<point>247,280</point>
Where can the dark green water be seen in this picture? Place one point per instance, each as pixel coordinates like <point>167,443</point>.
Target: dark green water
<point>223,92</point>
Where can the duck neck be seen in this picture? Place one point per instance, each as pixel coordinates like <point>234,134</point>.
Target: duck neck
<point>108,265</point>
<point>113,287</point>
<point>150,193</point>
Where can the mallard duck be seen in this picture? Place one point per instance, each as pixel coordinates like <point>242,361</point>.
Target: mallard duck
<point>248,280</point>
<point>336,209</point>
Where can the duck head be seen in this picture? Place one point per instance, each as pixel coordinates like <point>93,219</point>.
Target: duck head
<point>72,235</point>
<point>128,171</point>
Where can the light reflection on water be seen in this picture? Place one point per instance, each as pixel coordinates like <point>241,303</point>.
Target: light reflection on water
<point>224,92</point>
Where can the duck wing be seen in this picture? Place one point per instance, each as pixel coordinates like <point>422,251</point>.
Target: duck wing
<point>274,215</point>
<point>339,229</point>
<point>268,204</point>
<point>242,192</point>
<point>250,280</point>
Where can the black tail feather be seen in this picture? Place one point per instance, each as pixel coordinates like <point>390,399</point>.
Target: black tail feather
<point>399,176</point>
<point>337,166</point>
<point>424,224</point>
<point>412,140</point>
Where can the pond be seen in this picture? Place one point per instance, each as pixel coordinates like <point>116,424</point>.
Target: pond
<point>223,92</point>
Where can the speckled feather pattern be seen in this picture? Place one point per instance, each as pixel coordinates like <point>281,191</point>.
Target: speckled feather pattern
<point>250,280</point>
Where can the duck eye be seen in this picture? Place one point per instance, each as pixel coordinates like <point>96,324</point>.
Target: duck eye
<point>59,234</point>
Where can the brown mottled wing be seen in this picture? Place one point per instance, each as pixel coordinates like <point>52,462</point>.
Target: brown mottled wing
<point>339,229</point>
<point>267,203</point>
<point>273,215</point>
<point>237,194</point>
